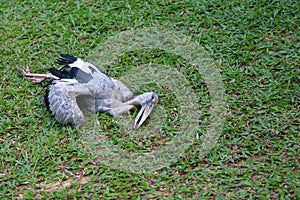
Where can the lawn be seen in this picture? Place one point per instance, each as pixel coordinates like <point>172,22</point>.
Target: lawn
<point>255,50</point>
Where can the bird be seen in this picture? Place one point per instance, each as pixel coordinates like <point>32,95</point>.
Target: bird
<point>78,85</point>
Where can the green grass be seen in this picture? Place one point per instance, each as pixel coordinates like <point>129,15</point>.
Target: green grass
<point>256,47</point>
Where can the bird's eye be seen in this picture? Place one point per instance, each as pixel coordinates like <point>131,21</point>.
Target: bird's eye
<point>153,97</point>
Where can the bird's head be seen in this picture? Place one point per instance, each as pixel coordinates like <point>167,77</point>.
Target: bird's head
<point>148,101</point>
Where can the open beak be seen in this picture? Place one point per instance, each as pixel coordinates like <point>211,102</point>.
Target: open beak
<point>145,111</point>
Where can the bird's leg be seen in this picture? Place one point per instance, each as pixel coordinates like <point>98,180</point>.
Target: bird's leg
<point>37,78</point>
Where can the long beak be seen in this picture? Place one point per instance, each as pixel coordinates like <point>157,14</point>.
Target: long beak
<point>143,114</point>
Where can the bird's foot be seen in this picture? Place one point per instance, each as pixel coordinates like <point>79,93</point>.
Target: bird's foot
<point>36,78</point>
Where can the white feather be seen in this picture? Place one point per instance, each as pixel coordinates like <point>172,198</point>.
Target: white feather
<point>84,66</point>
<point>78,63</point>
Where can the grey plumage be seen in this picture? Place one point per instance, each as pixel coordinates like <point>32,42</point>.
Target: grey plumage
<point>80,85</point>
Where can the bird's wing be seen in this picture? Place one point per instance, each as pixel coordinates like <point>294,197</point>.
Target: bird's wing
<point>72,73</point>
<point>63,101</point>
<point>77,68</point>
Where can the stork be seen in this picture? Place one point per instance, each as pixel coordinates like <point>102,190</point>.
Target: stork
<point>79,85</point>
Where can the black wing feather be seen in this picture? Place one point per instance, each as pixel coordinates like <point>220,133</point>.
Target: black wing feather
<point>60,74</point>
<point>66,59</point>
<point>46,99</point>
